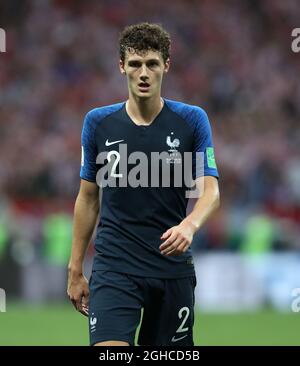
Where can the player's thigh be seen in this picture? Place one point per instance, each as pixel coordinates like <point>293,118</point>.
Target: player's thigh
<point>172,322</point>
<point>114,308</point>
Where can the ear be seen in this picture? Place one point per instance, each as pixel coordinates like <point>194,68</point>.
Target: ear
<point>121,66</point>
<point>167,65</point>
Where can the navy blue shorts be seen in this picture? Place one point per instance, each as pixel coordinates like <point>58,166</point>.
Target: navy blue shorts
<point>116,300</point>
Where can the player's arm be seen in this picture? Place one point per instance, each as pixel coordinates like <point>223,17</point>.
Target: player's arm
<point>85,215</point>
<point>178,238</point>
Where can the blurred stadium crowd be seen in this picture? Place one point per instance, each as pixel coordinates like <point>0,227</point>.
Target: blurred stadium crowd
<point>232,58</point>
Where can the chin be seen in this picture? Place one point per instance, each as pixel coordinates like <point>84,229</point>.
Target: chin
<point>143,95</point>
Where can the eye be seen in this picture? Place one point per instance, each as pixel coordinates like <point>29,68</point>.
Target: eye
<point>134,64</point>
<point>153,64</point>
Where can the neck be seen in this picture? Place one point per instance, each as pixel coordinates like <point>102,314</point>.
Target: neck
<point>144,111</point>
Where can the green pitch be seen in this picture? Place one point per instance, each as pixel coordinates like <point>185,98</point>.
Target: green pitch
<point>61,325</point>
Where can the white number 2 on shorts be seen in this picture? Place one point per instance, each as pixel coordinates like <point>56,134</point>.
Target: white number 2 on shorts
<point>185,310</point>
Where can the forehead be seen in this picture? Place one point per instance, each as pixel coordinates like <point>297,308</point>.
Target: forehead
<point>142,55</point>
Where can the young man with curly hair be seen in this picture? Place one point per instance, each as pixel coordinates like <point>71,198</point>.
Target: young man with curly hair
<point>143,254</point>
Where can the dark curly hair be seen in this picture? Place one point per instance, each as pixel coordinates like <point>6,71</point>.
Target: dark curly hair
<point>143,37</point>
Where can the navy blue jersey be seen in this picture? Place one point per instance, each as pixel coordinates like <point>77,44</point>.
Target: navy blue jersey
<point>133,217</point>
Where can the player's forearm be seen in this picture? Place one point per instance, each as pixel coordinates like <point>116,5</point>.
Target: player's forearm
<point>204,207</point>
<point>85,215</point>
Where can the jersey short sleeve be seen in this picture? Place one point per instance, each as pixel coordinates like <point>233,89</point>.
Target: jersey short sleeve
<point>88,169</point>
<point>204,162</point>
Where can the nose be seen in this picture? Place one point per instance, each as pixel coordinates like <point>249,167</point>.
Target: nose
<point>144,74</point>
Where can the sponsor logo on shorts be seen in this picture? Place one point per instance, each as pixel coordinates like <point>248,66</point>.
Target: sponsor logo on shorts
<point>177,339</point>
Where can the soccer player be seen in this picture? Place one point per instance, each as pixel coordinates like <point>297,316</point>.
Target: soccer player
<point>143,256</point>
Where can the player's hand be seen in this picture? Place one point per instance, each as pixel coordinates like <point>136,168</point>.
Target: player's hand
<point>78,292</point>
<point>177,239</point>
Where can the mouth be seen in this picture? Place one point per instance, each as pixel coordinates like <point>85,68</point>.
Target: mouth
<point>144,86</point>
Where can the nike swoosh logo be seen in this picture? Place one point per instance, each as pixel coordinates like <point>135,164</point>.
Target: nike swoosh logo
<point>112,142</point>
<point>177,339</point>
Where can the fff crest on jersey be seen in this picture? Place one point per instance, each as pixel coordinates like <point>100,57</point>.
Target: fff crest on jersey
<point>173,143</point>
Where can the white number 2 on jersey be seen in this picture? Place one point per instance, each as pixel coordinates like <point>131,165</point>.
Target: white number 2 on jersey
<point>115,163</point>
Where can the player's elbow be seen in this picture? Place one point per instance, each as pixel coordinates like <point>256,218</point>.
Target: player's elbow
<point>87,201</point>
<point>215,199</point>
<point>88,195</point>
<point>214,194</point>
